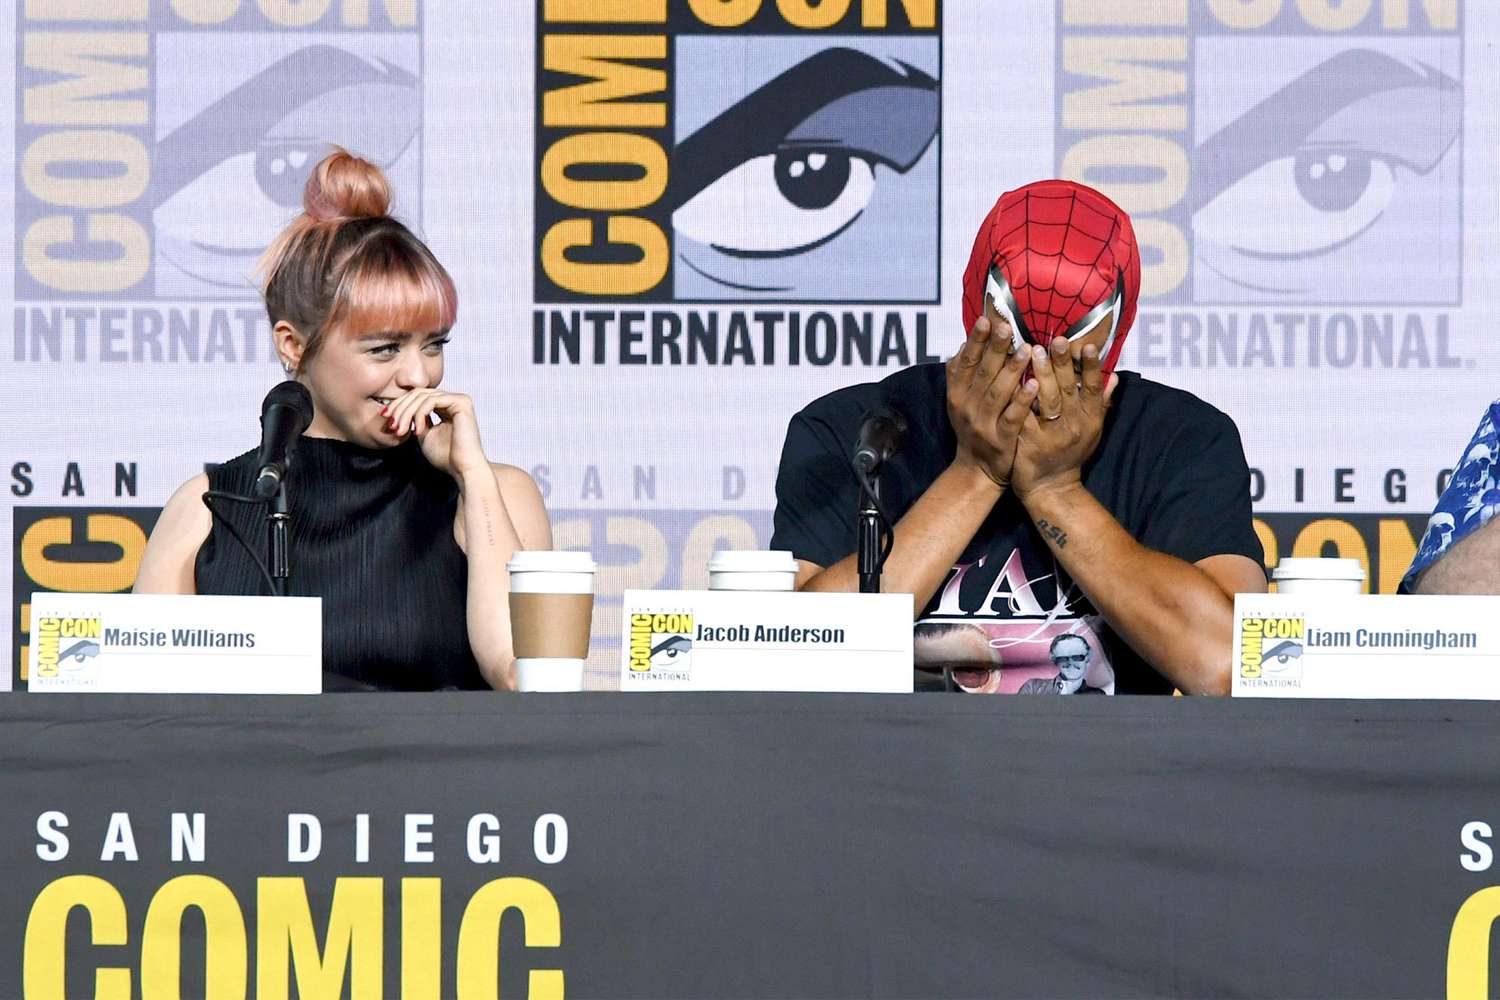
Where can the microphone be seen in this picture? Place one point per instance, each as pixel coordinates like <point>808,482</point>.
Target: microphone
<point>284,415</point>
<point>881,435</point>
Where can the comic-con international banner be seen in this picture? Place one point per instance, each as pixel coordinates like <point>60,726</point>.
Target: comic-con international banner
<point>675,222</point>
<point>421,847</point>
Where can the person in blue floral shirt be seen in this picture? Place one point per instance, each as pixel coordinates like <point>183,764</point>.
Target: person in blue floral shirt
<point>1455,556</point>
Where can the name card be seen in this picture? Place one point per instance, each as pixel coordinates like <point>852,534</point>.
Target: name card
<point>160,644</point>
<point>700,640</point>
<point>1366,646</point>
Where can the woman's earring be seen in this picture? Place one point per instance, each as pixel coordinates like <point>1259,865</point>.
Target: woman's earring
<point>286,366</point>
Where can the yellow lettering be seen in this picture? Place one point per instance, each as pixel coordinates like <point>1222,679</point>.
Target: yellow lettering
<point>284,929</point>
<point>87,10</point>
<point>1169,271</point>
<point>1131,97</point>
<point>705,537</point>
<point>45,952</point>
<point>421,938</point>
<point>724,13</point>
<point>1340,15</point>
<point>226,963</point>
<point>813,14</point>
<point>600,102</point>
<point>607,280</point>
<point>205,11</point>
<point>1342,535</point>
<point>87,275</point>
<point>1244,14</point>
<point>83,577</point>
<point>479,938</point>
<point>622,148</point>
<point>1441,14</point>
<point>1469,946</point>
<point>80,628</point>
<point>920,13</point>
<point>1397,549</point>
<point>294,13</point>
<point>1112,13</point>
<point>81,58</point>
<point>607,11</point>
<point>401,13</point>
<point>1160,155</point>
<point>1268,542</point>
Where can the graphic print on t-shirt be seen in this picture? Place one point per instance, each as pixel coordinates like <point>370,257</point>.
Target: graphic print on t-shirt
<point>1014,630</point>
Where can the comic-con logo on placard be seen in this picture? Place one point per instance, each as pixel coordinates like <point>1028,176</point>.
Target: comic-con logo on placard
<point>66,647</point>
<point>1271,650</point>
<point>158,156</point>
<point>1275,152</point>
<point>661,645</point>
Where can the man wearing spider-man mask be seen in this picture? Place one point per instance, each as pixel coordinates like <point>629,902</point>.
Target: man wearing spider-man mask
<point>1040,492</point>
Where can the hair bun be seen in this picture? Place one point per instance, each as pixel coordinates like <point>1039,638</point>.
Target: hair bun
<point>344,186</point>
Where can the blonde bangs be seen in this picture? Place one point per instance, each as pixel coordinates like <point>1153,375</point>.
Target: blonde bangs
<point>384,293</point>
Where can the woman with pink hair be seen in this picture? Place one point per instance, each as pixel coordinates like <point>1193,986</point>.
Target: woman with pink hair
<point>399,521</point>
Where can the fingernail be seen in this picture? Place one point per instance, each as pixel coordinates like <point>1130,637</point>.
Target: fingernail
<point>1039,352</point>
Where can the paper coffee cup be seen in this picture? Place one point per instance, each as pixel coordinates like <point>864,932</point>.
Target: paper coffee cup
<point>772,570</point>
<point>551,616</point>
<point>1319,576</point>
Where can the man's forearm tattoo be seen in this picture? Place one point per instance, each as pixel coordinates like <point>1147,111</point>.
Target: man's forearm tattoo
<point>1052,531</point>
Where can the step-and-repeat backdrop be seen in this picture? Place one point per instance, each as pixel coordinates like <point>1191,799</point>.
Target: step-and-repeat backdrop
<point>674,222</point>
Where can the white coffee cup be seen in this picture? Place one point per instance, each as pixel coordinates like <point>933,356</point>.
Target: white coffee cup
<point>1319,576</point>
<point>759,570</point>
<point>551,617</point>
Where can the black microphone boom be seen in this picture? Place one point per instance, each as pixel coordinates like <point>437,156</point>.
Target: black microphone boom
<point>284,415</point>
<point>881,435</point>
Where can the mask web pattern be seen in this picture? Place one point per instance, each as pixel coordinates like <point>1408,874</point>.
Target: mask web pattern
<point>1058,254</point>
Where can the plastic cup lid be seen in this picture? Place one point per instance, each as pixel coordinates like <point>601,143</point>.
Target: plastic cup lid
<point>769,561</point>
<point>550,561</point>
<point>1318,569</point>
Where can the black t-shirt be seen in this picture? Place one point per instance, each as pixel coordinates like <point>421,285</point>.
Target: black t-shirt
<point>1169,467</point>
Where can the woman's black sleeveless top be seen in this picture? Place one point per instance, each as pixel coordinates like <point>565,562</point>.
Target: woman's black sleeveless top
<point>372,535</point>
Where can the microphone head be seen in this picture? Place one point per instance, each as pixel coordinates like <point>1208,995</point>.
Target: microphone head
<point>292,394</point>
<point>890,425</point>
<point>882,434</point>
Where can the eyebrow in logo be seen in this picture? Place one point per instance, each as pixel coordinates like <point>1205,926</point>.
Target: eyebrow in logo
<point>251,112</point>
<point>839,97</point>
<point>1359,99</point>
<point>81,650</point>
<point>1285,650</point>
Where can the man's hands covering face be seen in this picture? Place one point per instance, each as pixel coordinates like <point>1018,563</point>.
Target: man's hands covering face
<point>1064,430</point>
<point>987,403</point>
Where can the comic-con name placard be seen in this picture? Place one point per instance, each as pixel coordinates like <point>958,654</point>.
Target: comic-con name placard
<point>699,640</point>
<point>1366,646</point>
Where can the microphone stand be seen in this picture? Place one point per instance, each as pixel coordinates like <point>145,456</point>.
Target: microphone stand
<point>869,533</point>
<point>278,558</point>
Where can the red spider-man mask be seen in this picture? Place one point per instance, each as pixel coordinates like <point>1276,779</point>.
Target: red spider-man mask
<point>1057,259</point>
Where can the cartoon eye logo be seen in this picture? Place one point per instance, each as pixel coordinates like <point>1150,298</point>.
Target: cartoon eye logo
<point>221,201</point>
<point>282,169</point>
<point>666,652</point>
<point>794,164</point>
<point>1283,654</point>
<point>1316,165</point>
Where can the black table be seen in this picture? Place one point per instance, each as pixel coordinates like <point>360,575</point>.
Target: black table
<point>752,845</point>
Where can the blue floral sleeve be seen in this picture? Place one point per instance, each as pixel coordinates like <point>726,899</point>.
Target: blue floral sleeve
<point>1471,499</point>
